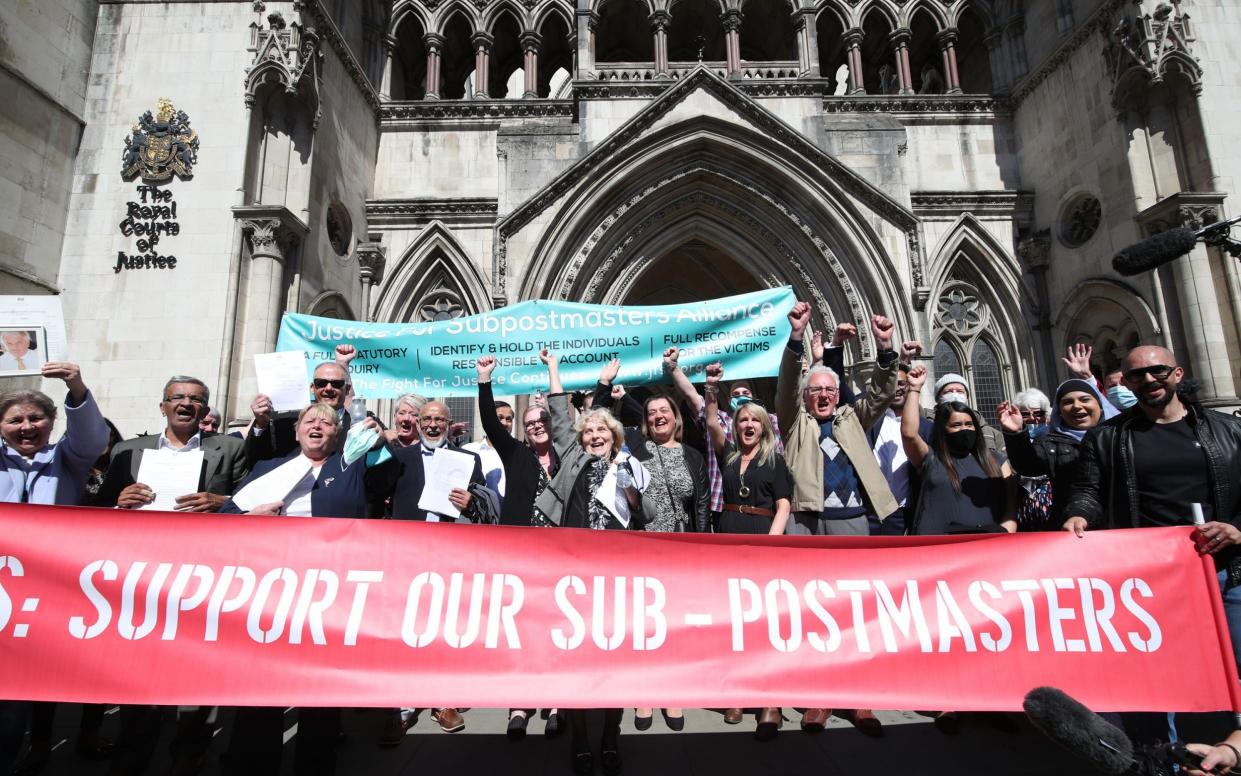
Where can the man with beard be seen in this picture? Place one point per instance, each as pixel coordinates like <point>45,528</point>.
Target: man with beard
<point>885,440</point>
<point>271,435</point>
<point>434,420</point>
<point>1149,465</point>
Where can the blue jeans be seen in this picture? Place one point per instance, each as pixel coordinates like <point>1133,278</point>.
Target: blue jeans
<point>1232,614</point>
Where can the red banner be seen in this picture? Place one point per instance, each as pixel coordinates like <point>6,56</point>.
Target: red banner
<point>117,606</point>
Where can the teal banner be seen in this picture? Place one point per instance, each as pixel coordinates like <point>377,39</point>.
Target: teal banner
<point>746,333</point>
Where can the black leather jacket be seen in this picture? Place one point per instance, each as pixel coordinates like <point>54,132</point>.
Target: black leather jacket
<point>1105,485</point>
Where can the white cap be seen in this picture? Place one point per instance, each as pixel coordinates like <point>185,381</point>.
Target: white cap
<point>951,377</point>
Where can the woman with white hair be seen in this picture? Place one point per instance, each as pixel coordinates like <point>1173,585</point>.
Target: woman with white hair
<point>404,431</point>
<point>598,487</point>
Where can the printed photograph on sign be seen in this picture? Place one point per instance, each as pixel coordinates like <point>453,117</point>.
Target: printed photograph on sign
<point>25,350</point>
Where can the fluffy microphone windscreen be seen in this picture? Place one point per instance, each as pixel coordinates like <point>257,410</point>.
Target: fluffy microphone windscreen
<point>1079,730</point>
<point>1154,251</point>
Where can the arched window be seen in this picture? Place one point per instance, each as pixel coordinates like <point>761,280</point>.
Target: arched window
<point>946,360</point>
<point>624,34</point>
<point>506,78</point>
<point>696,27</point>
<point>878,61</point>
<point>973,58</point>
<point>988,384</point>
<point>457,61</point>
<point>767,33</point>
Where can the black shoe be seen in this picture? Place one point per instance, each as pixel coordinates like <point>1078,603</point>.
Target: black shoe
<point>554,725</point>
<point>948,723</point>
<point>610,759</point>
<point>643,723</point>
<point>676,724</point>
<point>583,763</point>
<point>517,727</point>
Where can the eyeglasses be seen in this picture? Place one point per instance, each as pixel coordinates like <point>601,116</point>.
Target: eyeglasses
<point>337,384</point>
<point>433,420</point>
<point>1159,371</point>
<point>1032,413</point>
<point>534,424</point>
<point>826,390</point>
<point>192,398</point>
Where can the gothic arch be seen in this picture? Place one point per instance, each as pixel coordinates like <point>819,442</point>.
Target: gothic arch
<point>553,9</point>
<point>1108,315</point>
<point>331,304</point>
<point>409,9</point>
<point>492,15</point>
<point>433,263</point>
<point>971,267</point>
<point>877,6</point>
<point>936,13</point>
<point>837,10</point>
<point>981,9</point>
<point>598,5</point>
<point>809,235</point>
<point>452,8</point>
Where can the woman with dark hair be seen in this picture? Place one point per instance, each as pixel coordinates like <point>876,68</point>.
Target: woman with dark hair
<point>528,470</point>
<point>1078,407</point>
<point>758,492</point>
<point>966,487</point>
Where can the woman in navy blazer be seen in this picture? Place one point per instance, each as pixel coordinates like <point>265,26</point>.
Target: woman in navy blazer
<point>336,490</point>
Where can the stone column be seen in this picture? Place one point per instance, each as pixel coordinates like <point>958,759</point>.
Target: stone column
<point>731,21</point>
<point>900,46</point>
<point>587,23</point>
<point>274,236</point>
<point>808,64</point>
<point>1036,250</point>
<point>435,46</point>
<point>948,48</point>
<point>530,42</point>
<point>853,43</point>
<point>370,269</point>
<point>660,21</point>
<point>389,54</point>
<point>482,63</point>
<point>994,41</point>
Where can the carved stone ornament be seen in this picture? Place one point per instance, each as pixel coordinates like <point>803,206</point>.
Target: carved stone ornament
<point>288,56</point>
<point>960,310</point>
<point>1142,49</point>
<point>1035,249</point>
<point>160,146</point>
<point>1079,220</point>
<point>440,305</point>
<point>371,262</point>
<point>273,231</point>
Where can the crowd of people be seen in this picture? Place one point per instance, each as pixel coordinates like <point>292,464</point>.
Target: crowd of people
<point>1131,448</point>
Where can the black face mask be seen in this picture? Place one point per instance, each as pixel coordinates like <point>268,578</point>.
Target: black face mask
<point>961,443</point>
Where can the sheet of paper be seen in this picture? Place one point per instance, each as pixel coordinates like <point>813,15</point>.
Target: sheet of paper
<point>273,486</point>
<point>170,474</point>
<point>42,311</point>
<point>282,377</point>
<point>446,470</point>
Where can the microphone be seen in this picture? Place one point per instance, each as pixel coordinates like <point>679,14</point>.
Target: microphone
<point>1154,251</point>
<point>1079,729</point>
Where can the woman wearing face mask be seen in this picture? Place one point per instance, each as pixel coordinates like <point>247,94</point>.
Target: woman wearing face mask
<point>758,492</point>
<point>1078,407</point>
<point>598,486</point>
<point>528,470</point>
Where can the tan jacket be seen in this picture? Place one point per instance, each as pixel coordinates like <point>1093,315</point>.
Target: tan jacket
<point>801,437</point>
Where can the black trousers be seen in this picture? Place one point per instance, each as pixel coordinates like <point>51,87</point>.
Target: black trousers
<point>257,745</point>
<point>139,736</point>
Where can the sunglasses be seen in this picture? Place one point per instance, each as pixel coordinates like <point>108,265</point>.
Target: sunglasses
<point>1159,371</point>
<point>337,384</point>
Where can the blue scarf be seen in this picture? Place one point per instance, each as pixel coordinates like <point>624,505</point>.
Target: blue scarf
<point>1057,423</point>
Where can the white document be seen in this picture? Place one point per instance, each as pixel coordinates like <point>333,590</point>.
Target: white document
<point>282,377</point>
<point>169,474</point>
<point>42,311</point>
<point>446,470</point>
<point>273,486</point>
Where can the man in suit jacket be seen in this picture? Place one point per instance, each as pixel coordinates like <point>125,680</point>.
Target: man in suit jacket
<point>224,467</point>
<point>184,403</point>
<point>434,420</point>
<point>272,435</point>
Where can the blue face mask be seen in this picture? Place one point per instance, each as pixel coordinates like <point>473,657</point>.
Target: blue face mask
<point>1121,397</point>
<point>738,402</point>
<point>359,442</point>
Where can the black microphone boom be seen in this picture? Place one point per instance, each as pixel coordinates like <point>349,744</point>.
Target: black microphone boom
<point>1079,729</point>
<point>1154,251</point>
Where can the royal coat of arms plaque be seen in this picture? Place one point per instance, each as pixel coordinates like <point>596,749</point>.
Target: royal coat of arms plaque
<point>161,146</point>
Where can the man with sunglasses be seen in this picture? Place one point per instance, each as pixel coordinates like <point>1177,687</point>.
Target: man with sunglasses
<point>271,435</point>
<point>1149,465</point>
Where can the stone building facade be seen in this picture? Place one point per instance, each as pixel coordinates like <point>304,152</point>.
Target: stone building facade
<point>967,167</point>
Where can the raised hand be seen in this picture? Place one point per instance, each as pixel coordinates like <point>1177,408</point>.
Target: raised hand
<point>609,371</point>
<point>1077,360</point>
<point>883,329</point>
<point>345,354</point>
<point>671,359</point>
<point>844,332</point>
<point>618,391</point>
<point>548,358</point>
<point>910,349</point>
<point>916,377</point>
<point>261,407</point>
<point>1010,417</point>
<point>485,366</point>
<point>799,318</point>
<point>71,373</point>
<point>715,373</point>
<point>816,347</point>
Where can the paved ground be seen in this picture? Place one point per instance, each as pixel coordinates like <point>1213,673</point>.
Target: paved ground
<point>707,747</point>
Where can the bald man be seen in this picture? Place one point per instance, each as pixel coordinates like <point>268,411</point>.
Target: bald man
<point>1149,465</point>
